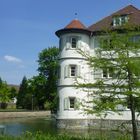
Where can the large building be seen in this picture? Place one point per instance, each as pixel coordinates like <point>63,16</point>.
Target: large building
<point>73,65</point>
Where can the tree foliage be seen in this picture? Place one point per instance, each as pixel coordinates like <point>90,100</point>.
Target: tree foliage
<point>23,90</point>
<point>48,64</point>
<point>6,94</point>
<point>37,89</point>
<point>117,61</point>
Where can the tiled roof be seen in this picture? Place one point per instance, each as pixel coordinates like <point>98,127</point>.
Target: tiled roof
<point>75,24</point>
<point>106,23</point>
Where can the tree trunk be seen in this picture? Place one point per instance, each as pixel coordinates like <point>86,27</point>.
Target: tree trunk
<point>132,102</point>
<point>134,125</point>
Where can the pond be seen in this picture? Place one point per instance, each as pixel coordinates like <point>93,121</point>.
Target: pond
<point>19,126</point>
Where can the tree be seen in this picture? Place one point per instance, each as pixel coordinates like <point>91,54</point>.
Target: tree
<point>48,64</point>
<point>4,94</point>
<point>37,91</point>
<point>118,61</point>
<point>13,93</point>
<point>23,89</point>
<point>0,81</point>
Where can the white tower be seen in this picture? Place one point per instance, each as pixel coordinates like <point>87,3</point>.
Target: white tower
<point>72,65</point>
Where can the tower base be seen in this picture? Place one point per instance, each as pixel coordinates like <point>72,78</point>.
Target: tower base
<point>96,124</point>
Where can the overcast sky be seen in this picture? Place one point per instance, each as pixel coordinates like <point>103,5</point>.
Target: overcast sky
<point>28,26</point>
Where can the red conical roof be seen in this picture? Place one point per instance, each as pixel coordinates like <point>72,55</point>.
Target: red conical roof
<point>75,24</point>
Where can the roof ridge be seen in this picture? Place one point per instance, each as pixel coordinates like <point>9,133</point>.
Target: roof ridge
<point>132,6</point>
<point>126,7</point>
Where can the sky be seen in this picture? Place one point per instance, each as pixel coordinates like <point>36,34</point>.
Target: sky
<point>28,26</point>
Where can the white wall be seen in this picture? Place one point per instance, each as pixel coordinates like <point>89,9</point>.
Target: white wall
<point>65,92</point>
<point>67,52</point>
<point>69,56</point>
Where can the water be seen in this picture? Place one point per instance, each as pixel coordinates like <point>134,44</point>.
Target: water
<point>19,126</point>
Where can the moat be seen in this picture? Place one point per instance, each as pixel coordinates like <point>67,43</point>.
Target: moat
<point>18,126</point>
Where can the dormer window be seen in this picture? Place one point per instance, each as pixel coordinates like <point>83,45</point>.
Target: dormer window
<point>120,20</point>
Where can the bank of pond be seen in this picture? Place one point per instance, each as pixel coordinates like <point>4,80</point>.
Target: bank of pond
<point>40,136</point>
<point>45,129</point>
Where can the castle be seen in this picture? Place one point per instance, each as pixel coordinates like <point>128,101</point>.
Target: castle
<point>72,64</point>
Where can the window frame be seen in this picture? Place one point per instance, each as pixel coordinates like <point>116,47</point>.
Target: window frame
<point>73,72</point>
<point>72,102</point>
<point>74,42</point>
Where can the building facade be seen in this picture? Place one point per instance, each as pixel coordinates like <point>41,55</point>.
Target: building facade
<point>73,66</point>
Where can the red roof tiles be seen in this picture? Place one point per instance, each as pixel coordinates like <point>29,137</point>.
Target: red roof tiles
<point>75,24</point>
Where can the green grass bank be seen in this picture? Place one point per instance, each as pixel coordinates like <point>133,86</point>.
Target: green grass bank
<point>40,136</point>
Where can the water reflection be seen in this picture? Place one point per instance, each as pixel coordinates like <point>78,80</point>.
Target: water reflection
<point>20,125</point>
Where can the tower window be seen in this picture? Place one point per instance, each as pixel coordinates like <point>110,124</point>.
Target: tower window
<point>73,42</point>
<point>72,102</point>
<point>73,70</point>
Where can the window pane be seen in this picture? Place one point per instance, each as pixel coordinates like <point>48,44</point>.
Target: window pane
<point>116,21</point>
<point>73,42</point>
<point>123,20</point>
<point>73,70</point>
<point>72,102</point>
<point>105,73</point>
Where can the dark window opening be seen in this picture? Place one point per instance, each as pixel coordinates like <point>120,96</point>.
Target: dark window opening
<point>104,73</point>
<point>72,102</point>
<point>73,42</point>
<point>73,70</point>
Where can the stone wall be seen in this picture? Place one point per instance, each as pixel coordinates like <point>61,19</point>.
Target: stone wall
<point>95,124</point>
